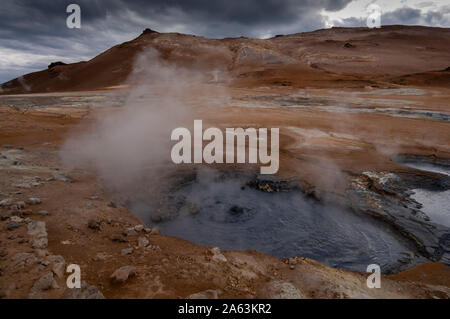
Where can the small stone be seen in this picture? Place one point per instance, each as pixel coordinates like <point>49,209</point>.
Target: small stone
<point>119,238</point>
<point>147,230</point>
<point>44,283</point>
<point>207,294</point>
<point>153,247</point>
<point>37,231</point>
<point>43,212</point>
<point>85,292</point>
<point>130,232</point>
<point>122,274</point>
<point>20,205</point>
<point>126,251</point>
<point>6,202</point>
<point>217,255</point>
<point>23,185</point>
<point>3,252</point>
<point>13,225</point>
<point>139,228</point>
<point>41,252</point>
<point>142,242</point>
<point>155,231</point>
<point>100,257</point>
<point>45,262</point>
<point>6,215</point>
<point>62,177</point>
<point>112,204</point>
<point>56,259</point>
<point>20,260</point>
<point>292,261</point>
<point>94,224</point>
<point>59,269</point>
<point>34,200</point>
<point>282,290</point>
<point>16,219</point>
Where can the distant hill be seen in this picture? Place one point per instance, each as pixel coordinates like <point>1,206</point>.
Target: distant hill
<point>328,57</point>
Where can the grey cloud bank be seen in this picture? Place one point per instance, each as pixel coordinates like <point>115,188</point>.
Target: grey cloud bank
<point>34,33</point>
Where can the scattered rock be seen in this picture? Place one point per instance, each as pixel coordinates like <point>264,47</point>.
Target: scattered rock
<point>46,282</point>
<point>56,259</point>
<point>122,274</point>
<point>6,215</point>
<point>33,201</point>
<point>42,252</point>
<point>139,228</point>
<point>59,269</point>
<point>43,212</point>
<point>207,294</point>
<point>6,202</point>
<point>62,177</point>
<point>44,262</point>
<point>94,224</point>
<point>142,242</point>
<point>153,247</point>
<point>126,251</point>
<point>217,255</point>
<point>20,260</point>
<point>130,232</point>
<point>38,233</point>
<point>23,185</point>
<point>112,204</point>
<point>101,257</point>
<point>292,261</point>
<point>16,219</point>
<point>119,238</point>
<point>155,231</point>
<point>348,45</point>
<point>281,290</point>
<point>3,252</point>
<point>20,205</point>
<point>85,292</point>
<point>13,225</point>
<point>147,230</point>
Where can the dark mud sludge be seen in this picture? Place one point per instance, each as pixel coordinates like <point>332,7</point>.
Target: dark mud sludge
<point>238,212</point>
<point>414,202</point>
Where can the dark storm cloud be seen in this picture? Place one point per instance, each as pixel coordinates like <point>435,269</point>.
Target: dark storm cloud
<point>34,33</point>
<point>39,27</point>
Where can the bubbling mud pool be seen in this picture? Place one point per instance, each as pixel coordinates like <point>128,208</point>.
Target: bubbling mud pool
<point>228,213</point>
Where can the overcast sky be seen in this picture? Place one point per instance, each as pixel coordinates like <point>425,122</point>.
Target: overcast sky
<point>34,33</point>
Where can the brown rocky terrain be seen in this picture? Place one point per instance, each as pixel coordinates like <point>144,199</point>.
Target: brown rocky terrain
<point>346,101</point>
<point>336,57</point>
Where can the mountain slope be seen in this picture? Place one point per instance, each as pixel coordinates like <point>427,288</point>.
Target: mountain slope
<point>329,57</point>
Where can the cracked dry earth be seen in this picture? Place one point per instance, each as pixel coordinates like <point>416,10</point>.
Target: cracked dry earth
<point>53,216</point>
